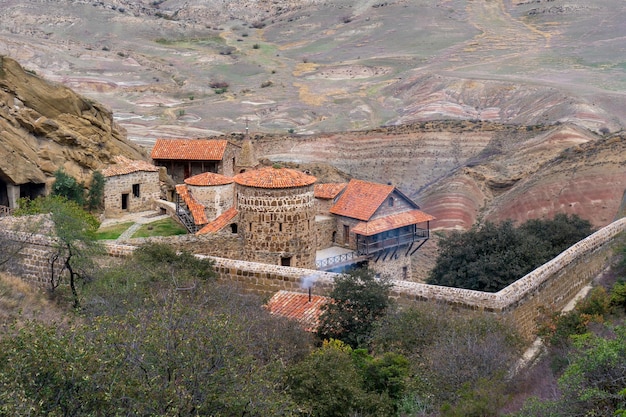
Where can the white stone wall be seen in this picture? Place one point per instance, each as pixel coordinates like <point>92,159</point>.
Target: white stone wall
<point>215,198</point>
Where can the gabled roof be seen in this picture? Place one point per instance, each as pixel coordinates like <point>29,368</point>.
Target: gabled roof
<point>361,199</point>
<point>328,191</point>
<point>297,306</point>
<point>207,179</point>
<point>189,149</point>
<point>391,222</point>
<point>125,166</point>
<point>270,177</point>
<point>196,208</point>
<point>220,222</point>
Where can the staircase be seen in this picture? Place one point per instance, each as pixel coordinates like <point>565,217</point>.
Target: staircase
<point>184,215</point>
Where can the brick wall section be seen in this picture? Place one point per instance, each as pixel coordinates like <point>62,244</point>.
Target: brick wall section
<point>551,285</point>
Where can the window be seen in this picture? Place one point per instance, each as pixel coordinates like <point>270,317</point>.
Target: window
<point>285,261</point>
<point>280,227</point>
<point>233,228</point>
<point>390,201</point>
<point>405,273</point>
<point>135,190</point>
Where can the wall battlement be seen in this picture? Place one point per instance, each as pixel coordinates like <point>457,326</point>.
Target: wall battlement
<point>551,286</point>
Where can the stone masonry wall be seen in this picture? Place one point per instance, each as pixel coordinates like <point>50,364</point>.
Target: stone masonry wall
<point>277,223</point>
<point>550,286</point>
<point>325,226</point>
<point>216,199</point>
<point>115,186</point>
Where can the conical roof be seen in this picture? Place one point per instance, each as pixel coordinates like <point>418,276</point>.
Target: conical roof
<point>207,179</point>
<point>270,177</point>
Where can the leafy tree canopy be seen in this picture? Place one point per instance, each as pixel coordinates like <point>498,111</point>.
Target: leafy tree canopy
<point>359,299</point>
<point>490,257</point>
<point>67,186</point>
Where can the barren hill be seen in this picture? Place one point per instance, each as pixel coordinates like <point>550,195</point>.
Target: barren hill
<point>476,109</point>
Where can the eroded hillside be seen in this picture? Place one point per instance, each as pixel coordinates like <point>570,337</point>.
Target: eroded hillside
<point>46,126</point>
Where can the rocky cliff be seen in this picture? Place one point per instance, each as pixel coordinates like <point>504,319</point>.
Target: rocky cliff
<point>46,126</point>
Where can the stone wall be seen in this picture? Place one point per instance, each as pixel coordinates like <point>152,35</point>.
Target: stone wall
<point>277,225</point>
<point>216,199</point>
<point>397,267</point>
<point>38,260</point>
<point>115,186</point>
<point>551,286</point>
<point>325,229</point>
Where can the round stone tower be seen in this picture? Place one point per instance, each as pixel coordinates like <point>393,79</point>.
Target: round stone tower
<point>277,216</point>
<point>214,191</point>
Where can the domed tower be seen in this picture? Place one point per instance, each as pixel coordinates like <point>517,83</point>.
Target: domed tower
<point>214,191</point>
<point>277,216</point>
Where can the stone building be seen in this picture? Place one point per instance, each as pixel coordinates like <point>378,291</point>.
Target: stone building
<point>277,216</point>
<point>185,158</point>
<point>130,186</point>
<point>381,225</point>
<point>202,199</point>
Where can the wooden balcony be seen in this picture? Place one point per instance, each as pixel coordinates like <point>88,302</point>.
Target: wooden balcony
<point>372,245</point>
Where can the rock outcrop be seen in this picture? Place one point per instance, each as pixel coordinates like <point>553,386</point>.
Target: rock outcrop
<point>46,126</point>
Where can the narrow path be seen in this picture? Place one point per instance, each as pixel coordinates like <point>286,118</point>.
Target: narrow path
<point>128,233</point>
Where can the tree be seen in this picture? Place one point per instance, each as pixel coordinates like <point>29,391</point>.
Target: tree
<point>67,186</point>
<point>358,300</point>
<point>336,380</point>
<point>74,243</point>
<point>490,257</point>
<point>96,191</point>
<point>593,382</point>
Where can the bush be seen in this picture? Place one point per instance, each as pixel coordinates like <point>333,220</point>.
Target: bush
<point>490,257</point>
<point>359,299</point>
<point>68,187</point>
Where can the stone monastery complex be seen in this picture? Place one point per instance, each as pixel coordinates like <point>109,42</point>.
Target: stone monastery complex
<point>276,215</point>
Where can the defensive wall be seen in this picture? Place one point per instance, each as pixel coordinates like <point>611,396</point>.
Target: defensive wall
<point>550,286</point>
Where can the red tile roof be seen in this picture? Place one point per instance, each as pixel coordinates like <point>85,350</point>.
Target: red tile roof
<point>220,222</point>
<point>270,177</point>
<point>328,191</point>
<point>125,166</point>
<point>208,178</point>
<point>189,149</point>
<point>196,209</point>
<point>297,306</point>
<point>391,222</point>
<point>361,199</point>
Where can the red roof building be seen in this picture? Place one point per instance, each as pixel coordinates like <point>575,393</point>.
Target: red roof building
<point>377,220</point>
<point>298,306</point>
<point>184,158</point>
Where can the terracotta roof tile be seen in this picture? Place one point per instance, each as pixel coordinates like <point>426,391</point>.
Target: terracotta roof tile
<point>125,166</point>
<point>196,209</point>
<point>361,199</point>
<point>270,177</point>
<point>208,178</point>
<point>328,191</point>
<point>189,149</point>
<point>391,222</point>
<point>218,224</point>
<point>297,306</point>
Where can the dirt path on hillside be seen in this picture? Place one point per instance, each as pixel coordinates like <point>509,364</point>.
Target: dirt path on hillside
<point>502,38</point>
